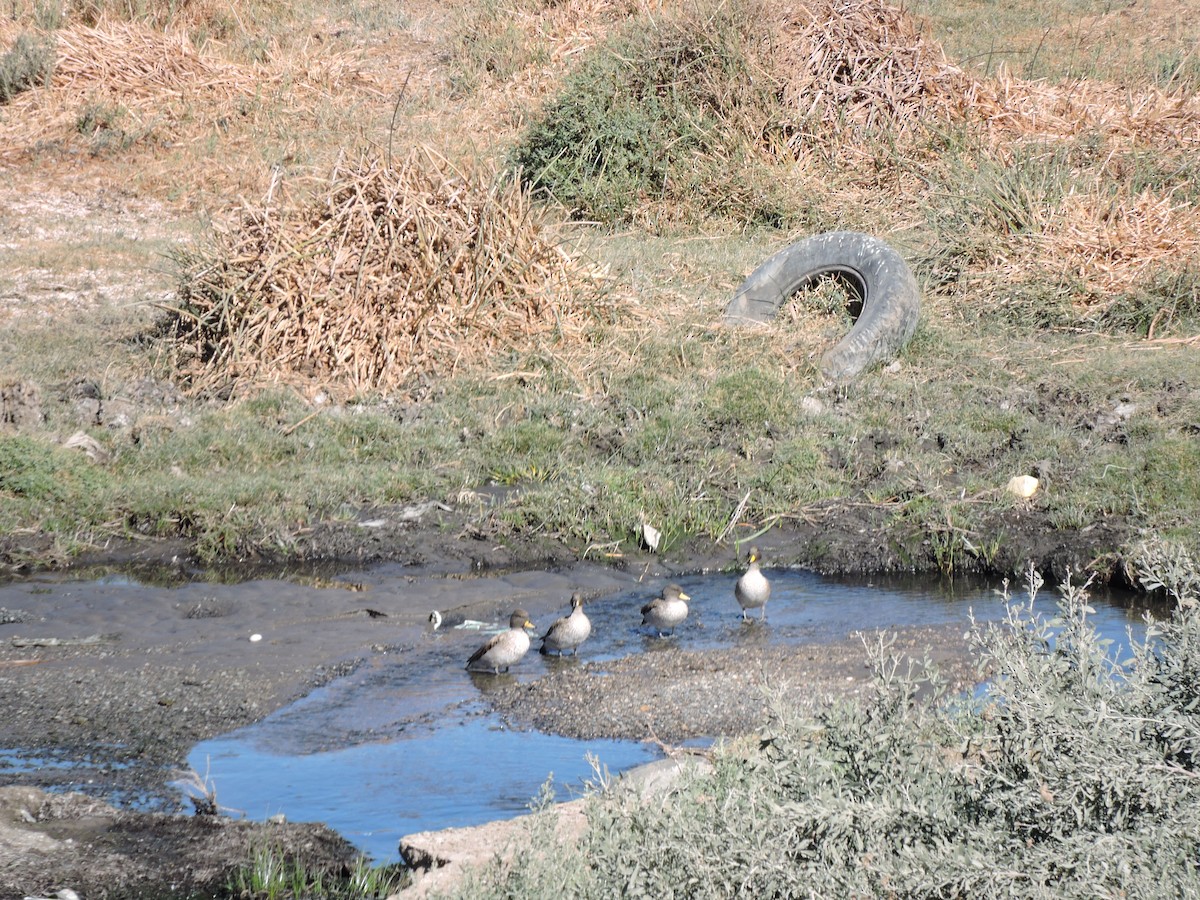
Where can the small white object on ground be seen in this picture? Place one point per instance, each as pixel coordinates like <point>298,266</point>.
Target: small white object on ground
<point>1024,486</point>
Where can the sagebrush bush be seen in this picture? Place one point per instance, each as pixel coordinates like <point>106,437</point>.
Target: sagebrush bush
<point>1073,773</point>
<point>27,64</point>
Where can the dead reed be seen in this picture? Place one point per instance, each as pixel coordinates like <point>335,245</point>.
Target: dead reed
<point>388,273</point>
<point>850,65</point>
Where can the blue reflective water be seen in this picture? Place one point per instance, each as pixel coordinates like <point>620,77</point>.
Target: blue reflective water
<point>463,772</point>
<point>401,745</point>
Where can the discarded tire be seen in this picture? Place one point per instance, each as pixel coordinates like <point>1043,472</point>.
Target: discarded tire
<point>891,301</point>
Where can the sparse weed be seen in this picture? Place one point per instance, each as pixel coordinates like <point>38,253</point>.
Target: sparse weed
<point>47,14</point>
<point>1065,42</point>
<point>491,45</point>
<point>1167,303</point>
<point>101,124</point>
<point>1013,195</point>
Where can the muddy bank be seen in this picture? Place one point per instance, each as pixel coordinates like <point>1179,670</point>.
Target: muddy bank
<point>835,538</point>
<point>56,842</point>
<point>673,695</point>
<point>111,687</point>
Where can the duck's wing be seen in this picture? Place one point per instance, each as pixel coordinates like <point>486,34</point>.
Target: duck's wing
<point>478,654</point>
<point>555,626</point>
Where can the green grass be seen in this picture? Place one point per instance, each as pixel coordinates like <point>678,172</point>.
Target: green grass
<point>680,447</point>
<point>275,875</point>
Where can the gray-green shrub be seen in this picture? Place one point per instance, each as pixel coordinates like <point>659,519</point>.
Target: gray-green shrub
<point>28,63</point>
<point>1073,775</point>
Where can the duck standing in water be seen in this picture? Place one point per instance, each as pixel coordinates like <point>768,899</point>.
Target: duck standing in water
<point>666,612</point>
<point>568,632</point>
<point>752,589</point>
<point>505,648</point>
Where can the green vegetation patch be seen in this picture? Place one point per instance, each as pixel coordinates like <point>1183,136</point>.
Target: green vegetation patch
<point>663,114</point>
<point>34,471</point>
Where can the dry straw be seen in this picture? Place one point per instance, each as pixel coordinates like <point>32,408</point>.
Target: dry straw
<point>149,75</point>
<point>1117,240</point>
<point>863,68</point>
<point>391,272</point>
<point>848,64</point>
<point>166,93</point>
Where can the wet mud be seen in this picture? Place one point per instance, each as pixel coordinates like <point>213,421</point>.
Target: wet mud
<point>106,687</point>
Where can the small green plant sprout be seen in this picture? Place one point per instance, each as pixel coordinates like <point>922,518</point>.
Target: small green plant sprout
<point>369,882</point>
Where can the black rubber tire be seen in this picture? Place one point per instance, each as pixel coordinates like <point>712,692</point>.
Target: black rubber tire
<point>891,300</point>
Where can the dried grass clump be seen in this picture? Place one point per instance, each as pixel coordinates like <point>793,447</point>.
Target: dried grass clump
<point>863,66</point>
<point>1115,241</point>
<point>164,91</point>
<point>393,272</point>
<point>1014,108</point>
<point>150,75</point>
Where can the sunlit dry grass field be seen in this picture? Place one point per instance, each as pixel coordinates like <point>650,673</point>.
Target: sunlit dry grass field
<point>268,265</point>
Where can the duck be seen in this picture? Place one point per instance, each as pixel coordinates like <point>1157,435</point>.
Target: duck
<point>568,632</point>
<point>752,589</point>
<point>668,611</point>
<point>504,649</point>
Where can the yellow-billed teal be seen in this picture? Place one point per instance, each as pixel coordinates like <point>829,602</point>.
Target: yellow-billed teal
<point>505,648</point>
<point>568,632</point>
<point>666,612</point>
<point>752,589</point>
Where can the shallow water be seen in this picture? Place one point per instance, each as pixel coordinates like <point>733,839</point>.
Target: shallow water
<point>462,772</point>
<point>403,744</point>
